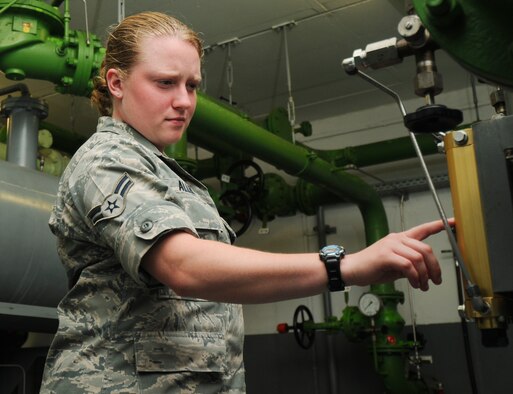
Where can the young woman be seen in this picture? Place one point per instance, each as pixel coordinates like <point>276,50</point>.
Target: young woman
<point>155,284</point>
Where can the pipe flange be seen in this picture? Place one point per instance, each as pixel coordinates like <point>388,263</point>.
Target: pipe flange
<point>11,104</point>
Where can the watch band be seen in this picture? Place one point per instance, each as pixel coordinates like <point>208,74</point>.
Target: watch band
<point>331,255</point>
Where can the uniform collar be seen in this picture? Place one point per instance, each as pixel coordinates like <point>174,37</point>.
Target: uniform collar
<point>109,124</point>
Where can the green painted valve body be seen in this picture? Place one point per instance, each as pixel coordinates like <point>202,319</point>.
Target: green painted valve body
<point>36,43</point>
<point>477,34</point>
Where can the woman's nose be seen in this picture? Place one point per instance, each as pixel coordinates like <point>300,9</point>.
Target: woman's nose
<point>182,98</point>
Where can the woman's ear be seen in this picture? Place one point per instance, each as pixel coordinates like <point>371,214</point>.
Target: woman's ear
<point>114,83</point>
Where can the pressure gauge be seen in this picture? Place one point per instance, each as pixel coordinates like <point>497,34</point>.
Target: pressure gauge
<point>369,304</point>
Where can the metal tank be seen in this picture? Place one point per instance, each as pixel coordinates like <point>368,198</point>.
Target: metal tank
<point>33,280</point>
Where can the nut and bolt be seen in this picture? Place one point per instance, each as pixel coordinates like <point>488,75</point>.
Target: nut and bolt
<point>460,137</point>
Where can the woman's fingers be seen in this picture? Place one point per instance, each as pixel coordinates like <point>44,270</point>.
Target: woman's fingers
<point>399,255</point>
<point>416,261</point>
<point>426,229</point>
<point>428,264</point>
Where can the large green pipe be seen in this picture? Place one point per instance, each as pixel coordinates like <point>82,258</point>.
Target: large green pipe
<point>379,152</point>
<point>213,119</point>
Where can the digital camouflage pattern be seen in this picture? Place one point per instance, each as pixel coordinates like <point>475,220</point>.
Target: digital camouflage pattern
<point>120,331</point>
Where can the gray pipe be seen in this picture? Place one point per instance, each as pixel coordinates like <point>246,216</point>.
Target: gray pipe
<point>328,310</point>
<point>23,115</point>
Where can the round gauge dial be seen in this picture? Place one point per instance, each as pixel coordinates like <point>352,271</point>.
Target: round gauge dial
<point>369,304</point>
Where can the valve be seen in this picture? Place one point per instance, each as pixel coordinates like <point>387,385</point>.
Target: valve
<point>433,118</point>
<point>238,202</point>
<point>252,184</point>
<point>236,207</point>
<point>302,317</point>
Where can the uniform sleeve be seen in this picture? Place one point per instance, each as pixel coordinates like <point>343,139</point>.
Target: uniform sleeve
<point>129,205</point>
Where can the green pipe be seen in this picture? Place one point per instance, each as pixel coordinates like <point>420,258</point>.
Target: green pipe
<point>392,370</point>
<point>379,152</point>
<point>212,119</point>
<point>211,143</point>
<point>67,19</point>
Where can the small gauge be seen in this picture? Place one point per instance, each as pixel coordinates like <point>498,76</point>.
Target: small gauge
<point>369,304</point>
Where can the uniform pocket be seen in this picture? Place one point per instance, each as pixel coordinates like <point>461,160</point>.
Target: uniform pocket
<point>180,352</point>
<point>192,361</point>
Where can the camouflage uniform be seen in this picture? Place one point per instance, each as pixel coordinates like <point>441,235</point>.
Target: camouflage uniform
<point>120,331</point>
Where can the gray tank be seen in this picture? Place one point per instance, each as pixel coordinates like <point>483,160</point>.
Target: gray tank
<point>32,279</point>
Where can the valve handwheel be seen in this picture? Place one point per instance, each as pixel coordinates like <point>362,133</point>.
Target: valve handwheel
<point>239,204</point>
<point>305,338</point>
<point>252,184</point>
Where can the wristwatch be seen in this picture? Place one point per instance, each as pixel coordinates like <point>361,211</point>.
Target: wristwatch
<point>331,256</point>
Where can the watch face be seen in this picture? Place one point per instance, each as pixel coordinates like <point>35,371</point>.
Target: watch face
<point>369,304</point>
<point>332,250</point>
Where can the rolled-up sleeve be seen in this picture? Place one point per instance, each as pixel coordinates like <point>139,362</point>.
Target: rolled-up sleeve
<point>130,202</point>
<point>142,229</point>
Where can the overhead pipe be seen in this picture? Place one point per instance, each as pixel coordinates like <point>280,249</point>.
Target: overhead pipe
<point>379,152</point>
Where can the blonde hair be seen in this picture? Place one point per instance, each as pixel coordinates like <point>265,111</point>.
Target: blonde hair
<point>123,48</point>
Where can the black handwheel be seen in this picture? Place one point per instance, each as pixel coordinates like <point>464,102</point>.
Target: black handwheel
<point>304,338</point>
<point>237,209</point>
<point>252,183</point>
<point>433,119</point>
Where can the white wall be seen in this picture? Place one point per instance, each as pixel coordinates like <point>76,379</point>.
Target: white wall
<point>296,234</point>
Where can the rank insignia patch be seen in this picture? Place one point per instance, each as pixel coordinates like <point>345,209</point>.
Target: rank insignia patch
<point>114,204</point>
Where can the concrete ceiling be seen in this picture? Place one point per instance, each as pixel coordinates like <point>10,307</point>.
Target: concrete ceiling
<point>325,32</point>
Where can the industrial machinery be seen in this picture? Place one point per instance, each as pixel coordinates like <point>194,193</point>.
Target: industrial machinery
<point>481,201</point>
<point>480,166</point>
<point>471,154</point>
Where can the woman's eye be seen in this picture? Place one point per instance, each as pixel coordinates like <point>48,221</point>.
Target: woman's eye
<point>192,86</point>
<point>166,82</point>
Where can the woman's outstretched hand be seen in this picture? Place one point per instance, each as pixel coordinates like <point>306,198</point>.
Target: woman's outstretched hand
<point>398,255</point>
